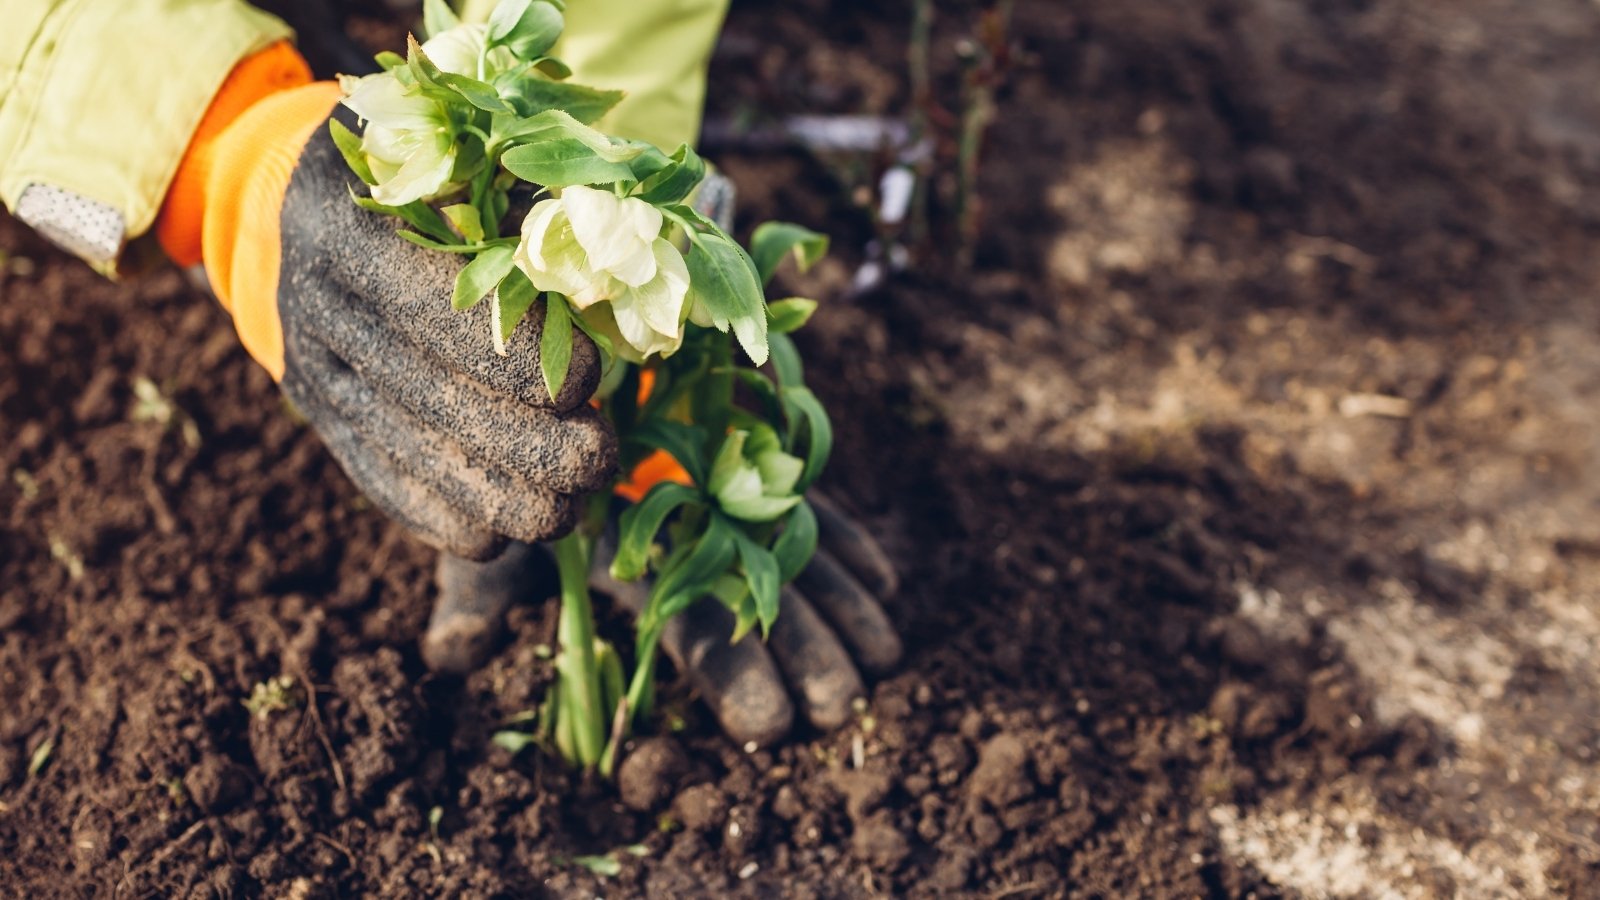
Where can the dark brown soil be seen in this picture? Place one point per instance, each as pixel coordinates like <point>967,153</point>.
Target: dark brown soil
<point>1245,491</point>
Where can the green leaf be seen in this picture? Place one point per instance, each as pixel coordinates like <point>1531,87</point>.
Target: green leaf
<point>454,246</point>
<point>511,302</point>
<point>685,442</point>
<point>554,124</point>
<point>638,525</point>
<point>513,741</point>
<point>422,68</point>
<point>555,344</point>
<point>772,240</point>
<point>388,60</point>
<point>561,162</point>
<point>797,543</point>
<point>723,281</point>
<point>693,577</point>
<point>530,29</point>
<point>674,182</point>
<point>504,17</point>
<point>40,756</point>
<point>465,218</point>
<point>802,406</point>
<point>554,68</point>
<point>478,278</point>
<point>350,148</point>
<point>530,96</point>
<point>417,214</point>
<point>609,667</point>
<point>761,574</point>
<point>477,93</point>
<point>745,616</point>
<point>765,391</point>
<point>786,360</point>
<point>437,17</point>
<point>600,339</point>
<point>604,866</point>
<point>791,314</point>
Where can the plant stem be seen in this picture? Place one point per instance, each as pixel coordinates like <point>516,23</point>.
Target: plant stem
<point>713,396</point>
<point>576,666</point>
<point>641,690</point>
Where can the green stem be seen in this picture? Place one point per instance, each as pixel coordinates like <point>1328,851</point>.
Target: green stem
<point>713,396</point>
<point>641,690</point>
<point>576,665</point>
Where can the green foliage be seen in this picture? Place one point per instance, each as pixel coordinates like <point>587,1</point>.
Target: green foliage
<point>529,28</point>
<point>751,444</point>
<point>789,315</point>
<point>438,17</point>
<point>722,280</point>
<point>797,543</point>
<point>467,220</point>
<point>674,180</point>
<point>40,757</point>
<point>808,421</point>
<point>772,240</point>
<point>762,576</point>
<point>641,522</point>
<point>350,148</point>
<point>511,302</point>
<point>271,696</point>
<point>555,344</point>
<point>481,276</point>
<point>529,95</point>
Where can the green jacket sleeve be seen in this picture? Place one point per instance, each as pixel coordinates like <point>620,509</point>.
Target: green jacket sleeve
<point>98,101</point>
<point>655,50</point>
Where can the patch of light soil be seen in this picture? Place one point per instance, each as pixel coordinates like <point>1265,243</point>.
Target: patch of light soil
<point>1350,848</point>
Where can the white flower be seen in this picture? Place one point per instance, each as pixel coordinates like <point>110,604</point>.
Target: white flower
<point>408,140</point>
<point>752,478</point>
<point>456,49</point>
<point>597,248</point>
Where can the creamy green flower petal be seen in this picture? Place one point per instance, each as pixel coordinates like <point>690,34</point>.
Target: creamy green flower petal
<point>743,487</point>
<point>752,478</point>
<point>599,319</point>
<point>407,139</point>
<point>383,100</point>
<point>730,459</point>
<point>558,253</point>
<point>760,509</point>
<point>662,297</point>
<point>456,49</point>
<point>779,472</point>
<point>550,255</point>
<point>423,175</point>
<point>632,309</point>
<point>608,230</point>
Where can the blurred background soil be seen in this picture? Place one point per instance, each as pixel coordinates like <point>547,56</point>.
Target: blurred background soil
<point>1246,489</point>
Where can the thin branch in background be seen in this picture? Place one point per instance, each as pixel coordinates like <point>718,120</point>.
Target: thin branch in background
<point>986,60</point>
<point>921,103</point>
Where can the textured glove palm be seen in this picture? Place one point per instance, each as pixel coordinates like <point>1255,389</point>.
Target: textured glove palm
<point>464,447</point>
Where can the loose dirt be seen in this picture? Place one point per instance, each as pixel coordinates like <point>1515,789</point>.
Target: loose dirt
<point>1246,491</point>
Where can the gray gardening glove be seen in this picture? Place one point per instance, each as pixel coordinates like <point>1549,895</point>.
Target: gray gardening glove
<point>830,629</point>
<point>462,446</point>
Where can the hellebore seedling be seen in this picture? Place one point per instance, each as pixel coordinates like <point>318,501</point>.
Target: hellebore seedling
<point>716,454</point>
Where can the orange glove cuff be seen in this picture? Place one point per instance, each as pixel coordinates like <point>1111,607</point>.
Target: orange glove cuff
<point>226,200</point>
<point>277,68</point>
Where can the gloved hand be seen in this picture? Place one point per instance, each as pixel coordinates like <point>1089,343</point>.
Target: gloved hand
<point>830,628</point>
<point>464,447</point>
